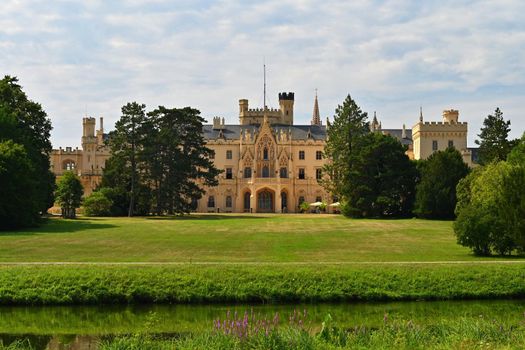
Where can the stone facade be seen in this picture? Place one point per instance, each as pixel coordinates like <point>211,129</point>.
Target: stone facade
<point>87,162</point>
<point>269,164</point>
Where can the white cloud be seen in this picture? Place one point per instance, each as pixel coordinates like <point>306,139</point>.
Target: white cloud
<point>393,56</point>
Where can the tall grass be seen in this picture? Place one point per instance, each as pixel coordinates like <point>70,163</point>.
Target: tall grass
<point>53,285</point>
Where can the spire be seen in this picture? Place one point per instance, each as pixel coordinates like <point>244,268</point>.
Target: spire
<point>420,114</point>
<point>316,119</point>
<point>374,125</point>
<point>404,132</point>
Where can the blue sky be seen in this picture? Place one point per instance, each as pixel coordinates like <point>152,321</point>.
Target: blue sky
<point>78,57</point>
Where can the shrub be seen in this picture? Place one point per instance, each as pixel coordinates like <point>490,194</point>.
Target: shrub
<point>491,209</point>
<point>304,207</point>
<point>97,205</point>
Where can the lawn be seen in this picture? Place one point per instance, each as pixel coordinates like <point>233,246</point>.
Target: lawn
<point>232,238</point>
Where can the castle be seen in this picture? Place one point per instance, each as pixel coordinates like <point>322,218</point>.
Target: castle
<point>270,165</point>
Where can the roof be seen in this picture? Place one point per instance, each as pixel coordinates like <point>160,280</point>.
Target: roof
<point>397,133</point>
<point>299,132</point>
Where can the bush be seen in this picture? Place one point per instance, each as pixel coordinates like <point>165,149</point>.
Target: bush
<point>97,205</point>
<point>304,207</point>
<point>491,209</point>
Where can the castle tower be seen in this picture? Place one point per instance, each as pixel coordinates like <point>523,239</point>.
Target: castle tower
<point>316,119</point>
<point>286,103</point>
<point>450,116</point>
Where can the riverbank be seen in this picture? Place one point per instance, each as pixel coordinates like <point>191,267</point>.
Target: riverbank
<point>89,285</point>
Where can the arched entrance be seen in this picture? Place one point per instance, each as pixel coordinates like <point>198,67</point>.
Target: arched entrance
<point>265,201</point>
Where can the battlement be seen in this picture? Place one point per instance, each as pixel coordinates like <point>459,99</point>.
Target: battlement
<point>286,96</point>
<point>444,124</point>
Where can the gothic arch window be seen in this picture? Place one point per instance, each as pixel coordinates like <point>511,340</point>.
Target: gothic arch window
<point>68,164</point>
<point>247,196</point>
<point>265,153</point>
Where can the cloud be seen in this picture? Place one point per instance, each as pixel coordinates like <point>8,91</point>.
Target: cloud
<point>392,56</point>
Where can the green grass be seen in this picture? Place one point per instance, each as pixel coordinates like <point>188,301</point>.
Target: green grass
<point>459,334</point>
<point>234,238</point>
<point>22,285</point>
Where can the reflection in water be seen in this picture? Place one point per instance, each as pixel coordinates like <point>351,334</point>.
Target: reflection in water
<point>82,327</point>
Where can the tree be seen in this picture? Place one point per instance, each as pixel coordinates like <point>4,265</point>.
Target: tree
<point>26,123</point>
<point>494,144</point>
<point>381,179</point>
<point>97,204</point>
<point>18,195</point>
<point>69,194</point>
<point>180,161</point>
<point>436,191</point>
<point>491,212</point>
<point>126,143</point>
<point>349,124</point>
<point>517,154</point>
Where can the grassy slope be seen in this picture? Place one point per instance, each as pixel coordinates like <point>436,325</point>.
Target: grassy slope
<point>210,238</point>
<point>307,239</point>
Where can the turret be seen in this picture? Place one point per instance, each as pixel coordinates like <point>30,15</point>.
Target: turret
<point>450,116</point>
<point>286,103</point>
<point>88,127</point>
<point>243,107</point>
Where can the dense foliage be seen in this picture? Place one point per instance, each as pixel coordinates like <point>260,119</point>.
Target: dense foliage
<point>517,154</point>
<point>381,179</point>
<point>25,123</point>
<point>69,194</point>
<point>436,190</point>
<point>159,161</point>
<point>494,144</point>
<point>97,204</point>
<point>369,172</point>
<point>491,209</point>
<point>17,191</point>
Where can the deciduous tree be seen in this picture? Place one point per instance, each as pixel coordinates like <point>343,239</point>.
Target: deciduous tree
<point>69,194</point>
<point>436,191</point>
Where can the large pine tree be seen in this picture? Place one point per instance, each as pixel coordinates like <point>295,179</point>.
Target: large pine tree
<point>494,144</point>
<point>349,124</point>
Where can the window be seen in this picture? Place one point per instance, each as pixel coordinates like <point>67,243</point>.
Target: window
<point>194,204</point>
<point>247,196</point>
<point>211,202</point>
<point>450,143</point>
<point>265,171</point>
<point>229,173</point>
<point>301,200</point>
<point>265,154</point>
<point>228,201</point>
<point>301,154</point>
<point>318,155</point>
<point>434,145</point>
<point>318,199</point>
<point>318,173</point>
<point>69,165</point>
<point>247,172</point>
<point>229,154</point>
<point>283,173</point>
<point>212,154</point>
<point>302,175</point>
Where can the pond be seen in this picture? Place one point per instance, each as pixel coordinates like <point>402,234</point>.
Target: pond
<point>82,327</point>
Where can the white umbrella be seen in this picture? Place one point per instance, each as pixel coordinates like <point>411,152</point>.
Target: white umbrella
<point>316,204</point>
<point>336,204</point>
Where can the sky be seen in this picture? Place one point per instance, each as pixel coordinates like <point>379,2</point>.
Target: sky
<point>91,57</point>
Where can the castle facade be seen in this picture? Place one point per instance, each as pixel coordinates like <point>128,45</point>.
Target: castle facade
<point>270,165</point>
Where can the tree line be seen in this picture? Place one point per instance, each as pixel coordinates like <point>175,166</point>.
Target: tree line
<point>372,175</point>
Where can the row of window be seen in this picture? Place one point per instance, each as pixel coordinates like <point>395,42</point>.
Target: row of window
<point>283,173</point>
<point>318,155</point>
<point>435,144</point>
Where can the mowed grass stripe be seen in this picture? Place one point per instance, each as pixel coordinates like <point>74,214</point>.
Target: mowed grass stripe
<point>229,239</point>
